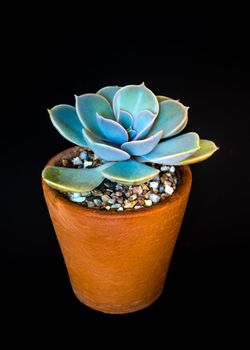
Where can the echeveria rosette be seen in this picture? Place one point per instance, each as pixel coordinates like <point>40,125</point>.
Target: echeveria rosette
<point>126,127</point>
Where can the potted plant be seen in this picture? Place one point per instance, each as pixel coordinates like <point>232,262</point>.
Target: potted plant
<point>118,198</point>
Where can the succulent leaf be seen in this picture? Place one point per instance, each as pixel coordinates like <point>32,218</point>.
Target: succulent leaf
<point>207,149</point>
<point>162,98</point>
<point>143,123</point>
<point>141,147</point>
<point>108,92</point>
<point>174,150</point>
<point>172,118</point>
<point>130,172</point>
<point>74,180</point>
<point>87,106</point>
<point>134,99</point>
<point>125,119</point>
<point>103,150</point>
<point>112,131</point>
<point>132,134</point>
<point>66,121</point>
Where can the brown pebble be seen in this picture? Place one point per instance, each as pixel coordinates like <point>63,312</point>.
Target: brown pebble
<point>97,193</point>
<point>105,198</point>
<point>118,194</point>
<point>65,162</point>
<point>128,194</point>
<point>141,201</point>
<point>120,200</point>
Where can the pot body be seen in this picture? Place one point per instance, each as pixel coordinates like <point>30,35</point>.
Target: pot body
<point>117,261</point>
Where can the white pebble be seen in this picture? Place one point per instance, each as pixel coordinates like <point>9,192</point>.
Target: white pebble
<point>165,168</point>
<point>107,207</point>
<point>172,169</point>
<point>153,184</point>
<point>137,207</point>
<point>75,194</point>
<point>120,209</point>
<point>169,190</point>
<point>154,198</point>
<point>78,199</point>
<point>111,201</point>
<point>148,202</point>
<point>87,163</point>
<point>83,155</point>
<point>77,161</point>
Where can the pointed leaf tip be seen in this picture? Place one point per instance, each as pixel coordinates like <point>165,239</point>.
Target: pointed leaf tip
<point>207,149</point>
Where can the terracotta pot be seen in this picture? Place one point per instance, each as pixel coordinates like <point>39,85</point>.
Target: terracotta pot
<point>117,261</point>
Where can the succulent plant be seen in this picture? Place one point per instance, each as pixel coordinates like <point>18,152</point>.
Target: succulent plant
<point>125,127</point>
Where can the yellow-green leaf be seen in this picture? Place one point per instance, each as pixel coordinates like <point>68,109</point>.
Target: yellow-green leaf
<point>207,148</point>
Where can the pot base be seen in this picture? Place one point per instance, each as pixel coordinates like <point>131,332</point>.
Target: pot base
<point>107,309</point>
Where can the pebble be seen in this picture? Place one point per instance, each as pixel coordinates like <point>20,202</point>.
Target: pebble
<point>144,187</point>
<point>77,161</point>
<point>169,190</point>
<point>128,194</point>
<point>148,202</point>
<point>161,189</point>
<point>65,162</point>
<point>137,207</point>
<point>154,198</point>
<point>108,207</point>
<point>120,209</point>
<point>87,163</point>
<point>83,155</point>
<point>111,201</point>
<point>129,205</point>
<point>97,201</point>
<point>137,190</point>
<point>105,198</point>
<point>133,197</point>
<point>172,169</point>
<point>115,206</point>
<point>74,194</point>
<point>164,168</point>
<point>78,199</point>
<point>120,200</point>
<point>118,194</point>
<point>90,204</point>
<point>153,184</point>
<point>141,201</point>
<point>97,193</point>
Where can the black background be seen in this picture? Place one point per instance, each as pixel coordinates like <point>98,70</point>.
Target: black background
<point>203,60</point>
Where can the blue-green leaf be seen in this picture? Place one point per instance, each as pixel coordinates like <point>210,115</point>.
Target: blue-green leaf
<point>134,99</point>
<point>74,180</point>
<point>132,134</point>
<point>87,106</point>
<point>141,147</point>
<point>112,130</point>
<point>143,123</point>
<point>108,92</point>
<point>125,119</point>
<point>66,121</point>
<point>103,150</point>
<point>172,118</point>
<point>130,172</point>
<point>174,150</point>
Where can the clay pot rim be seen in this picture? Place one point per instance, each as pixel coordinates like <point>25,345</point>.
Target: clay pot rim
<point>185,176</point>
